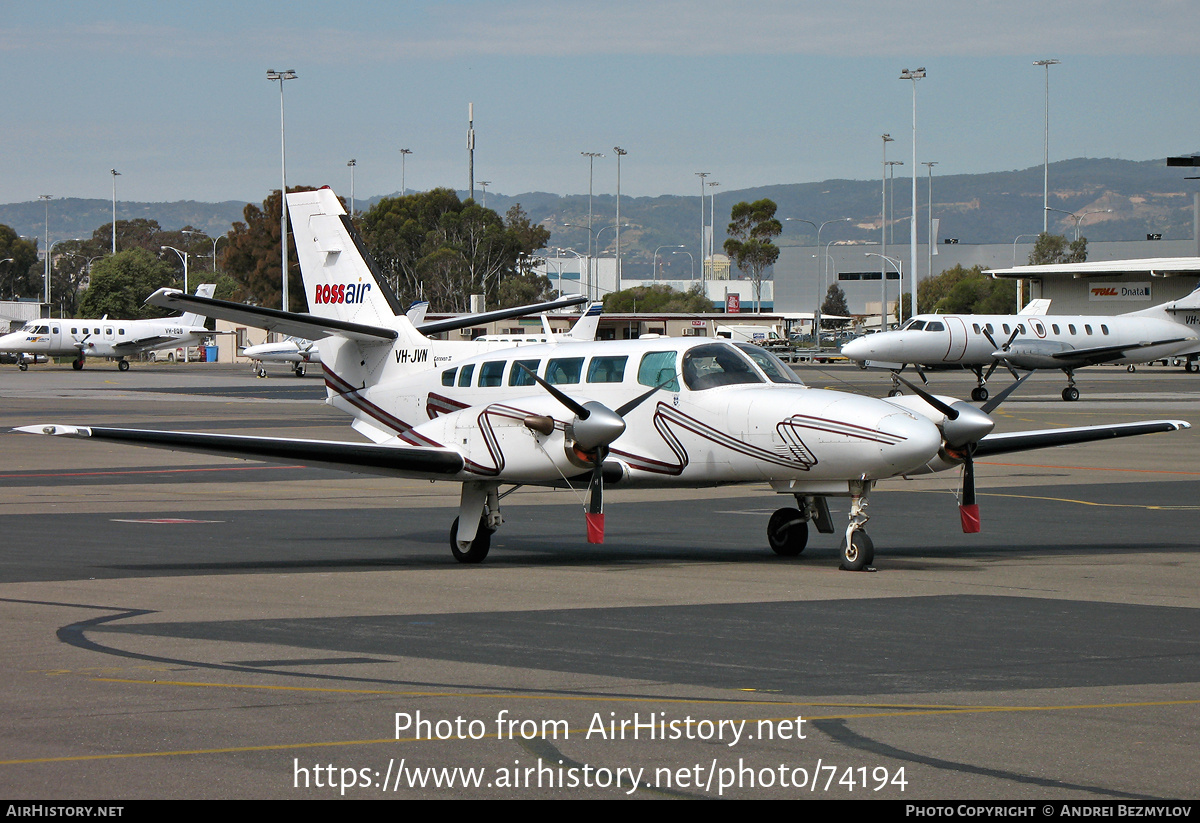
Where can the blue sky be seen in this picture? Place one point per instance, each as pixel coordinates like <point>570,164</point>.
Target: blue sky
<point>175,95</point>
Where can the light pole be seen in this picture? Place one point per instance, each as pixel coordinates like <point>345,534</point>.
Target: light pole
<point>1020,280</point>
<point>183,256</point>
<point>883,220</point>
<point>914,76</point>
<point>1079,217</point>
<point>115,174</point>
<point>655,258</point>
<point>702,175</point>
<point>712,234</point>
<point>591,156</point>
<point>899,303</point>
<point>404,153</point>
<point>352,163</point>
<point>1046,144</point>
<point>281,76</point>
<point>689,254</point>
<point>620,152</point>
<point>45,198</point>
<point>929,245</point>
<point>483,184</point>
<point>892,197</point>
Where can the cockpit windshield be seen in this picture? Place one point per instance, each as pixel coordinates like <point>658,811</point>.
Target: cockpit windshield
<point>717,364</point>
<point>914,324</point>
<point>776,370</point>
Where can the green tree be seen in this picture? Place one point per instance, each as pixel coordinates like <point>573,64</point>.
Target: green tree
<point>1053,248</point>
<point>835,304</point>
<point>254,257</point>
<point>749,245</point>
<point>17,273</point>
<point>966,291</point>
<point>658,298</point>
<point>120,284</point>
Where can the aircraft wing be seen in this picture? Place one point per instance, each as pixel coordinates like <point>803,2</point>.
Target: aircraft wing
<point>289,323</point>
<point>1010,442</point>
<point>365,458</point>
<point>143,343</point>
<point>453,323</point>
<point>1103,354</point>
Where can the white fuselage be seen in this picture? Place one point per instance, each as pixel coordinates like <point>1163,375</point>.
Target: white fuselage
<point>291,350</point>
<point>934,340</point>
<point>744,421</point>
<point>99,338</point>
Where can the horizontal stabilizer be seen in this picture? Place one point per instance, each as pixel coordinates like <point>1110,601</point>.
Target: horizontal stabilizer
<point>293,324</point>
<point>365,458</point>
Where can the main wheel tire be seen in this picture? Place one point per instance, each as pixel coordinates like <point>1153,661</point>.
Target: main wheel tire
<point>859,554</point>
<point>1131,368</point>
<point>479,547</point>
<point>1070,394</point>
<point>23,366</point>
<point>979,394</point>
<point>299,370</point>
<point>1192,366</point>
<point>123,365</point>
<point>77,364</point>
<point>787,532</point>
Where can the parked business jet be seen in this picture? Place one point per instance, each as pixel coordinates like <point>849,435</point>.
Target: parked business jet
<point>1028,342</point>
<point>88,337</point>
<point>665,412</point>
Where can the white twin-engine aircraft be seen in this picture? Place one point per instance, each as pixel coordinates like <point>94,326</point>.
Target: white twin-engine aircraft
<point>88,337</point>
<point>1033,340</point>
<point>662,412</point>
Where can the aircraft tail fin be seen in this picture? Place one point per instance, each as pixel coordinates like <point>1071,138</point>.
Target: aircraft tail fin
<point>341,281</point>
<point>585,327</point>
<point>1036,307</point>
<point>191,318</point>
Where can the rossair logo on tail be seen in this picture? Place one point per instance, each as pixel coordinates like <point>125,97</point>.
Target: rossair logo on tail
<point>340,292</point>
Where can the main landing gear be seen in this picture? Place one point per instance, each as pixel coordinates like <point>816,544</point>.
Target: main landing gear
<point>299,369</point>
<point>123,365</point>
<point>1070,393</point>
<point>77,364</point>
<point>478,518</point>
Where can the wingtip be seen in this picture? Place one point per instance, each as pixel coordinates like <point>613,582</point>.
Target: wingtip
<point>54,430</point>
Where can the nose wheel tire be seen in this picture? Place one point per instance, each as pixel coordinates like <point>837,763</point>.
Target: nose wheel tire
<point>77,365</point>
<point>1070,394</point>
<point>787,532</point>
<point>859,554</point>
<point>979,394</point>
<point>477,549</point>
<point>23,366</point>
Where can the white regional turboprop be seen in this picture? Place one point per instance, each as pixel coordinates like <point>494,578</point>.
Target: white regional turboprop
<point>1029,342</point>
<point>89,337</point>
<point>666,412</point>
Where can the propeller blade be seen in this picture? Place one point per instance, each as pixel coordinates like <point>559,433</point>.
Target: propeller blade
<point>968,510</point>
<point>991,369</point>
<point>579,410</point>
<point>990,339</point>
<point>950,412</point>
<point>637,401</point>
<point>992,404</point>
<point>595,513</point>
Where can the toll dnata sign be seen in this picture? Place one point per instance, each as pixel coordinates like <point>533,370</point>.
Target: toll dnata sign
<point>1119,291</point>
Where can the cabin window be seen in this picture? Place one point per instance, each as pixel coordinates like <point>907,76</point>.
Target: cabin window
<point>776,370</point>
<point>448,376</point>
<point>658,369</point>
<point>934,325</point>
<point>706,367</point>
<point>464,377</point>
<point>1104,329</point>
<point>1071,328</point>
<point>1005,327</point>
<point>120,331</point>
<point>491,373</point>
<point>988,326</point>
<point>1021,328</point>
<point>1055,327</point>
<point>975,328</point>
<point>56,329</point>
<point>1087,328</point>
<point>564,371</point>
<point>606,369</point>
<point>74,331</point>
<point>519,377</point>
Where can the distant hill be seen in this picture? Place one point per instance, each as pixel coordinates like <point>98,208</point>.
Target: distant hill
<point>1145,197</point>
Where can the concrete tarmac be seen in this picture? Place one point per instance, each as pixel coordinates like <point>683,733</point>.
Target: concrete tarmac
<point>182,626</point>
